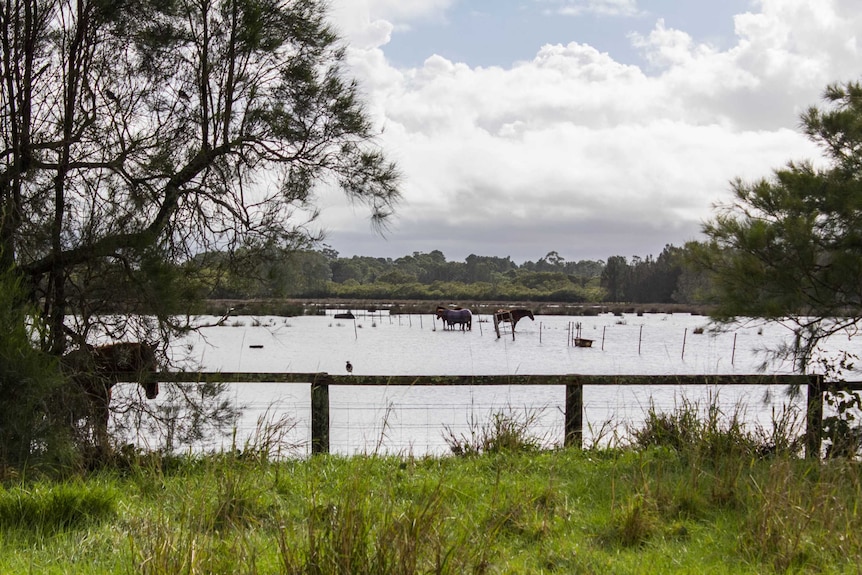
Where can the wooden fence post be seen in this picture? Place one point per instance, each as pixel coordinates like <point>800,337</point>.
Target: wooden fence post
<point>574,433</point>
<point>814,417</point>
<point>320,415</point>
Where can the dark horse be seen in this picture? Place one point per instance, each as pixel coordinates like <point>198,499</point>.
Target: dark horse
<point>512,316</point>
<point>450,317</point>
<point>96,369</point>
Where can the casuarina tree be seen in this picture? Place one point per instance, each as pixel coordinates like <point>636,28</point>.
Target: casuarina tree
<point>140,135</point>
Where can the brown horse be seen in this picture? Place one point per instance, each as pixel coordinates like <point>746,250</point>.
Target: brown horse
<point>512,315</point>
<point>96,369</point>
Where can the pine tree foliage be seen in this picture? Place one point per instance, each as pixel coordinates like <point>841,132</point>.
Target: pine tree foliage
<point>789,247</point>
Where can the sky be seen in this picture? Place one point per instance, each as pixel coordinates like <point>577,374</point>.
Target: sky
<point>592,128</point>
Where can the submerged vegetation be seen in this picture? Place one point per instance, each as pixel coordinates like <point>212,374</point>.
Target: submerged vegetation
<point>689,494</point>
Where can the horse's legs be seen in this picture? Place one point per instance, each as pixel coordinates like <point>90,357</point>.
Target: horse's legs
<point>101,416</point>
<point>98,395</point>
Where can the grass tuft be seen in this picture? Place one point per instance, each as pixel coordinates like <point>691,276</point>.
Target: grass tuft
<point>635,524</point>
<point>503,432</point>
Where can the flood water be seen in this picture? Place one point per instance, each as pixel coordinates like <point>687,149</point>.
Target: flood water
<point>416,420</point>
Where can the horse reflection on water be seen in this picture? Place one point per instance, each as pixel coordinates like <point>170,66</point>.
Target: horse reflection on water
<point>450,317</point>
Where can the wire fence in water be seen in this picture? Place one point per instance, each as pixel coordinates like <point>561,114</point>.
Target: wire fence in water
<point>423,419</point>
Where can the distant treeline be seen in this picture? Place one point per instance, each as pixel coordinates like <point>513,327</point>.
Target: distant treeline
<point>429,276</point>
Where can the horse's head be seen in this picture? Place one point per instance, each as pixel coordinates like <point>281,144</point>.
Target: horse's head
<point>151,389</point>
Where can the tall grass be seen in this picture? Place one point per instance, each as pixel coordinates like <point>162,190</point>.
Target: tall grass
<point>794,514</point>
<point>803,515</point>
<point>43,509</point>
<point>358,534</point>
<point>503,431</point>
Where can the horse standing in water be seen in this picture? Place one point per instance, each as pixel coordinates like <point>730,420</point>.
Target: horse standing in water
<point>512,316</point>
<point>450,317</point>
<point>96,369</point>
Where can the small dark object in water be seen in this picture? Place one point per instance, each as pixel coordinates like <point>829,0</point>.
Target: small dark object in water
<point>256,346</point>
<point>345,315</point>
<point>349,367</point>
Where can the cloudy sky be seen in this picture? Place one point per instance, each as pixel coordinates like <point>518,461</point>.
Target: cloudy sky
<point>588,127</point>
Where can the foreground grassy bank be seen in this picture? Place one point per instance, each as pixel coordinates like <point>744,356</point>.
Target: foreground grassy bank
<point>656,510</point>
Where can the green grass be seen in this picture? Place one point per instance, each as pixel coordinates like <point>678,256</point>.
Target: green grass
<point>655,510</point>
<point>695,493</point>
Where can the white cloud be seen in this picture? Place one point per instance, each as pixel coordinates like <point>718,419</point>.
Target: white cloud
<point>784,57</point>
<point>575,151</point>
<point>369,23</point>
<point>598,7</point>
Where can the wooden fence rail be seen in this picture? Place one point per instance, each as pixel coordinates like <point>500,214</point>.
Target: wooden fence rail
<point>574,384</point>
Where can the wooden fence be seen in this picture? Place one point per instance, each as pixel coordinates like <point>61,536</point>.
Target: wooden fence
<point>574,384</point>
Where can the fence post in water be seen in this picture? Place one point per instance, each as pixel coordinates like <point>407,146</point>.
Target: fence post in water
<point>814,417</point>
<point>733,353</point>
<point>574,432</point>
<point>684,335</point>
<point>320,415</point>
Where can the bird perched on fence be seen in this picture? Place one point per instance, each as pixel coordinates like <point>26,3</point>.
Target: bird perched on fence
<point>349,367</point>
